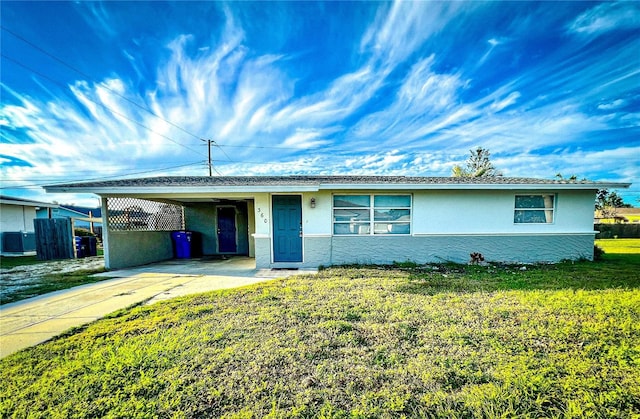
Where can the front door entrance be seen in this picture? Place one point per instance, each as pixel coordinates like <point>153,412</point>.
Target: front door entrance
<point>287,228</point>
<point>227,241</point>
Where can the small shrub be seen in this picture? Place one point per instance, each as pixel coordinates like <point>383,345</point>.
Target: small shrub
<point>405,265</point>
<point>476,258</point>
<point>598,252</point>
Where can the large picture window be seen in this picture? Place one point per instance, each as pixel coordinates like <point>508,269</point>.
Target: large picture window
<point>371,214</point>
<point>534,209</point>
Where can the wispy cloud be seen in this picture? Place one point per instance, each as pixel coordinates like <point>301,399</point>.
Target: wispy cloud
<point>618,103</point>
<point>505,103</point>
<point>412,95</point>
<point>606,17</point>
<point>400,30</point>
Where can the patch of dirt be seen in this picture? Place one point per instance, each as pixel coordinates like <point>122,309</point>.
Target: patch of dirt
<point>21,276</point>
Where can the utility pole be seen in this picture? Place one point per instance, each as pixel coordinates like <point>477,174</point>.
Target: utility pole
<point>209,147</point>
<point>209,161</point>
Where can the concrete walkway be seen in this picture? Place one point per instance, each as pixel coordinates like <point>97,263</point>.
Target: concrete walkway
<point>29,322</point>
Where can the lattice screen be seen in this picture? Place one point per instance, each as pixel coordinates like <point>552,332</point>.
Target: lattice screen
<point>126,214</point>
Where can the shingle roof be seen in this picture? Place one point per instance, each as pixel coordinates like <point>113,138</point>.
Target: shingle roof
<point>190,181</point>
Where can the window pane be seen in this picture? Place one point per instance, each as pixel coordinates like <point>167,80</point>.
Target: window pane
<point>533,216</point>
<point>351,215</point>
<point>534,201</point>
<point>392,215</point>
<point>392,201</point>
<point>351,228</point>
<point>395,228</point>
<point>351,201</point>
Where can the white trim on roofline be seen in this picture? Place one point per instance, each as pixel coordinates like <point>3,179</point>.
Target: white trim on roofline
<point>26,203</point>
<point>478,186</point>
<point>171,190</point>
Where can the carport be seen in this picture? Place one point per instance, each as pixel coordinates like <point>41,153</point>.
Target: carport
<point>139,230</point>
<point>252,216</point>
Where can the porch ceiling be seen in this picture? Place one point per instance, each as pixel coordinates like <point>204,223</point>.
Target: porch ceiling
<point>171,199</point>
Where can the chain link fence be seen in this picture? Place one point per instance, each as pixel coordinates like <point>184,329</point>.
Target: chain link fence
<point>132,214</point>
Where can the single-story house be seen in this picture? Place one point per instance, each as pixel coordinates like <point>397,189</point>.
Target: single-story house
<point>622,215</point>
<point>307,221</point>
<point>16,225</point>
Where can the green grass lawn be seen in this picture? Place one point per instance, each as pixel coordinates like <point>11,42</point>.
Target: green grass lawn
<point>13,261</point>
<point>437,341</point>
<point>618,246</point>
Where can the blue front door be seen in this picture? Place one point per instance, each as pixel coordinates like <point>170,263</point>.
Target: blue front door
<point>287,228</point>
<point>227,242</point>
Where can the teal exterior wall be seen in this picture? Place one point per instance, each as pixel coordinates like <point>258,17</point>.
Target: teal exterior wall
<point>381,250</point>
<point>202,218</point>
<point>133,248</point>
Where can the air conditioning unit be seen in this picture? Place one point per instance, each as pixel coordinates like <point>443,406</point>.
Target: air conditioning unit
<point>18,242</point>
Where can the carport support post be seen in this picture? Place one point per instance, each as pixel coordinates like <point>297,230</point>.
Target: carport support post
<point>105,232</point>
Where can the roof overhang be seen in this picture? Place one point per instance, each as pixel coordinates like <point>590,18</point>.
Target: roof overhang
<point>288,186</point>
<point>26,203</point>
<point>114,190</point>
<point>478,186</point>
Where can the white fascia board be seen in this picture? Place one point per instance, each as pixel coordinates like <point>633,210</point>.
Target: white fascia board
<point>9,201</point>
<point>170,190</point>
<point>115,191</point>
<point>484,186</point>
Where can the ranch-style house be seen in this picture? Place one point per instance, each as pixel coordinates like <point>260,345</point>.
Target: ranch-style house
<point>307,221</point>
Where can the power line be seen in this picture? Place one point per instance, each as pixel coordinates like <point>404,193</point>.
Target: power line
<point>98,103</point>
<point>144,108</point>
<point>99,178</point>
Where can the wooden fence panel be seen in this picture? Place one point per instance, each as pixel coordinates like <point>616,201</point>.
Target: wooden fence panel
<point>54,238</point>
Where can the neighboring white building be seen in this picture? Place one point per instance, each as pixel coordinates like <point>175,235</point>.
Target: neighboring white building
<point>16,225</point>
<point>307,221</point>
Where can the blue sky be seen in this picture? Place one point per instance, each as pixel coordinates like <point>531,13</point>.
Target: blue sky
<point>95,90</point>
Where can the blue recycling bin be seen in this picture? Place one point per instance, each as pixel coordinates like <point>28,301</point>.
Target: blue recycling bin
<point>80,247</point>
<point>90,244</point>
<point>182,243</point>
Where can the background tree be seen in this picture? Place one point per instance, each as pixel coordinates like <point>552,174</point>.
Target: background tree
<point>608,202</point>
<point>571,178</point>
<point>478,165</point>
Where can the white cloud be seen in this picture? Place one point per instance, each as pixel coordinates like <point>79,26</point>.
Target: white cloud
<point>607,16</point>
<point>505,103</point>
<point>433,114</point>
<point>493,43</point>
<point>423,97</point>
<point>399,31</point>
<point>618,103</point>
<point>305,138</point>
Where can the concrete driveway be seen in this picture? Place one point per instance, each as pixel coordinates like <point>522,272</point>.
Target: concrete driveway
<point>29,322</point>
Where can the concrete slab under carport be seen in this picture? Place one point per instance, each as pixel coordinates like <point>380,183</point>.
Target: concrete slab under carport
<point>30,322</point>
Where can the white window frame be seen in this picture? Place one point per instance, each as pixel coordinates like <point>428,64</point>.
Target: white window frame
<point>551,209</point>
<point>368,227</point>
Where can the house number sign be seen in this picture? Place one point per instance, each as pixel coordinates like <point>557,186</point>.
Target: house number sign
<point>264,218</point>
